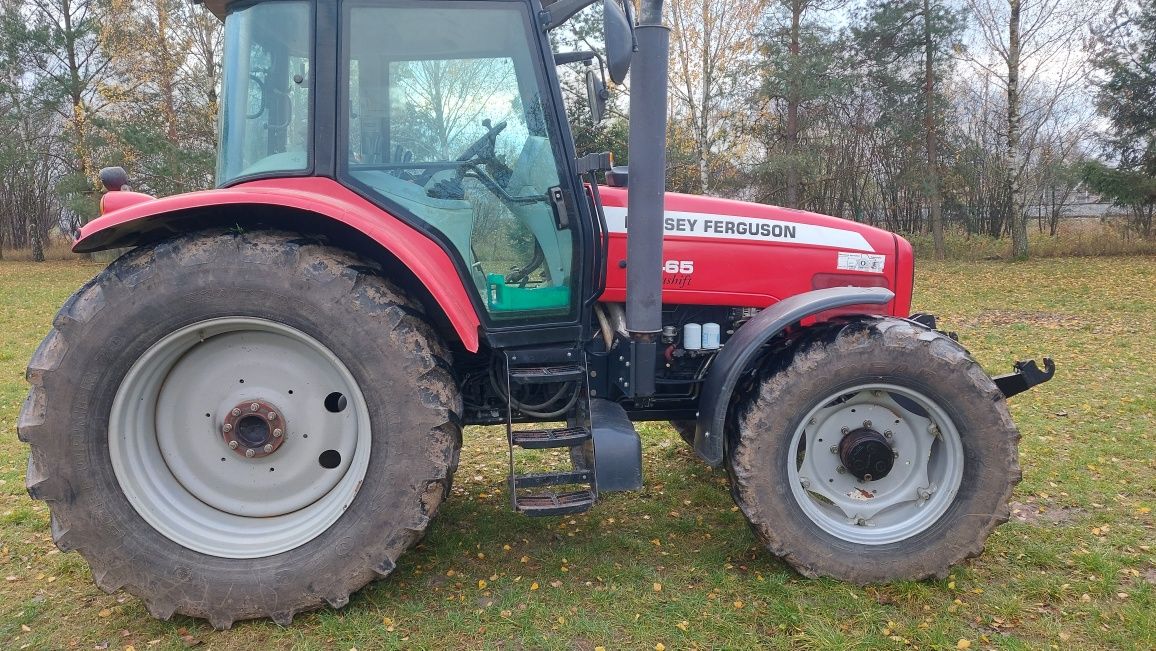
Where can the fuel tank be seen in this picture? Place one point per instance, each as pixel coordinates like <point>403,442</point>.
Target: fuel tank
<point>735,253</point>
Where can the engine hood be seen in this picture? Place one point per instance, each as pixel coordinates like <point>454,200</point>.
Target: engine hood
<point>726,252</point>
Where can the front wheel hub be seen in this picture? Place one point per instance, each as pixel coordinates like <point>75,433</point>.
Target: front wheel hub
<point>254,429</point>
<point>866,454</point>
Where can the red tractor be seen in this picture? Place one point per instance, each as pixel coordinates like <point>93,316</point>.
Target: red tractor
<point>258,408</point>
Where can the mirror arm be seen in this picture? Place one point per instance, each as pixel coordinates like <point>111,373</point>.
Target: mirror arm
<point>563,58</point>
<point>562,10</point>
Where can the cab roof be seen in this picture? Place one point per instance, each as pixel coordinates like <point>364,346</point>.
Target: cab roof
<point>215,6</point>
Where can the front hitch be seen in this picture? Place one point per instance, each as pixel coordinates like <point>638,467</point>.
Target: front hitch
<point>1025,376</point>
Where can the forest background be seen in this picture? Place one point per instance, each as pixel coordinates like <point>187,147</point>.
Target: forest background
<point>978,128</point>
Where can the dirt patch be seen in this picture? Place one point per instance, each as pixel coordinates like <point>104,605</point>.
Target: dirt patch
<point>1149,575</point>
<point>1042,514</point>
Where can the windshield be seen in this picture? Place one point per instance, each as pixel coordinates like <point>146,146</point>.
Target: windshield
<point>445,121</point>
<point>265,103</point>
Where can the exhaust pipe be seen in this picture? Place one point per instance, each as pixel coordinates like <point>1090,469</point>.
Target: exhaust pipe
<point>647,142</point>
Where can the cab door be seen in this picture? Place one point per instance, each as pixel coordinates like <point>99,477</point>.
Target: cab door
<point>451,124</point>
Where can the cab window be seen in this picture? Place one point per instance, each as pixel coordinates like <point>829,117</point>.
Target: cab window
<point>446,122</point>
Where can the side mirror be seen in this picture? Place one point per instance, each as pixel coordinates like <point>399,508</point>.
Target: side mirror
<point>619,33</point>
<point>596,95</point>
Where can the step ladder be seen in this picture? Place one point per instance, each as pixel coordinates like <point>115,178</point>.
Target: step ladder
<point>555,492</point>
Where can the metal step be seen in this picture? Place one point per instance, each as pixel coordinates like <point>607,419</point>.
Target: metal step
<point>537,479</point>
<point>545,504</point>
<point>538,439</point>
<point>547,374</point>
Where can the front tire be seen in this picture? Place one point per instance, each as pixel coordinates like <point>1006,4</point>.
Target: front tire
<point>232,426</point>
<point>879,451</point>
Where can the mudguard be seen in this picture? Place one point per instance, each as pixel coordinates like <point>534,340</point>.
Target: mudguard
<point>741,349</point>
<point>138,222</point>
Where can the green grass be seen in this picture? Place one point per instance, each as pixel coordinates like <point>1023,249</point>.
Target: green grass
<point>1074,569</point>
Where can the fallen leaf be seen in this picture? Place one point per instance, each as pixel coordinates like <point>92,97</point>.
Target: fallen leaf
<point>660,647</point>
<point>738,603</point>
<point>104,613</point>
<point>534,585</point>
<point>963,644</point>
<point>658,587</point>
<point>24,627</point>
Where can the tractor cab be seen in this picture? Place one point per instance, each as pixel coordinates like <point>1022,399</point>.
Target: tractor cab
<point>446,115</point>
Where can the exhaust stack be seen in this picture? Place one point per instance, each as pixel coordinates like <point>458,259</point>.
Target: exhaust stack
<point>647,142</point>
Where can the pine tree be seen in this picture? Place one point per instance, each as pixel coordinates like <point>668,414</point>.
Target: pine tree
<point>907,46</point>
<point>1126,58</point>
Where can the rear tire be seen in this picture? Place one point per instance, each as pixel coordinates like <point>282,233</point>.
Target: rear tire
<point>863,398</point>
<point>153,354</point>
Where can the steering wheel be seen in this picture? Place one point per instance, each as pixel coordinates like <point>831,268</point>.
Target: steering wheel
<point>483,149</point>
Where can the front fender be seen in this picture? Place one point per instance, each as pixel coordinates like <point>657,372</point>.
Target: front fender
<point>742,348</point>
<point>326,198</point>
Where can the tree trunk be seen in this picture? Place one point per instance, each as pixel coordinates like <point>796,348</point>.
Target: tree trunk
<point>705,101</point>
<point>934,199</point>
<point>793,100</point>
<point>1015,213</point>
<point>37,244</point>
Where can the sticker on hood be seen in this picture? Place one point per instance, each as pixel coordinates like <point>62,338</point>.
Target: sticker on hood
<point>868,262</point>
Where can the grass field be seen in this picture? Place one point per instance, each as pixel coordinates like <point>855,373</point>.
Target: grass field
<point>675,566</point>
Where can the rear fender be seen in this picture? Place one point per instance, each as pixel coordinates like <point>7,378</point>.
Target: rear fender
<point>317,205</point>
<point>744,346</point>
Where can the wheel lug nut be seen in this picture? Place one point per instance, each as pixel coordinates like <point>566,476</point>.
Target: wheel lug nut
<point>254,407</point>
<point>834,449</point>
<point>268,448</point>
<point>861,522</point>
<point>277,433</point>
<point>272,415</point>
<point>888,434</point>
<point>845,431</point>
<point>249,453</point>
<point>227,427</point>
<point>895,454</point>
<point>233,445</point>
<point>867,424</point>
<point>805,483</point>
<point>236,411</point>
<point>867,477</point>
<point>933,430</point>
<point>840,470</point>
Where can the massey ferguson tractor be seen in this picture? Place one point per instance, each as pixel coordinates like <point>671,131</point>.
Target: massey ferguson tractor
<point>258,408</point>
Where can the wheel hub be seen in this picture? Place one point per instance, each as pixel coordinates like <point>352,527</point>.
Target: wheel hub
<point>254,429</point>
<point>866,454</point>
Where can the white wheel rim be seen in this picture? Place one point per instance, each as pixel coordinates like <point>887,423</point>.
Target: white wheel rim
<point>918,490</point>
<point>176,468</point>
